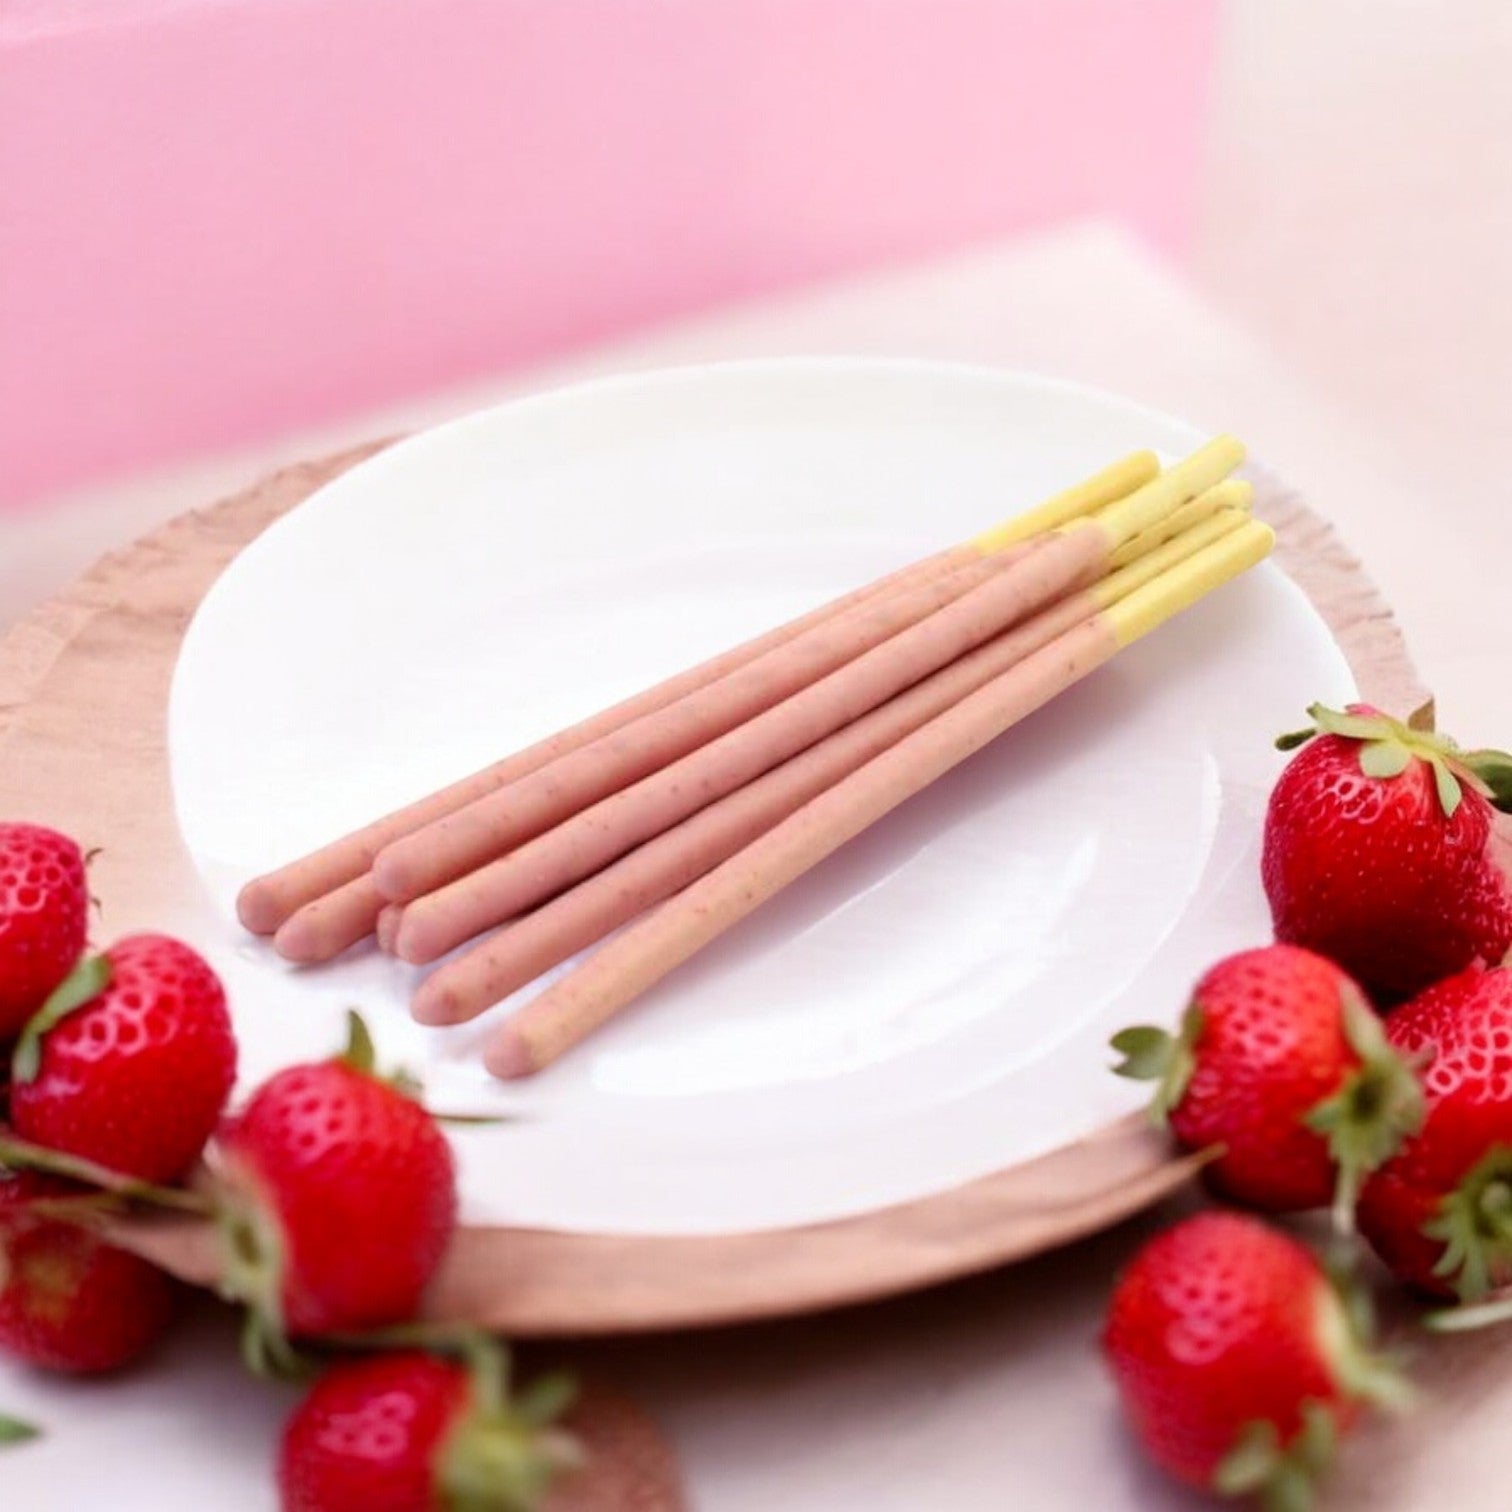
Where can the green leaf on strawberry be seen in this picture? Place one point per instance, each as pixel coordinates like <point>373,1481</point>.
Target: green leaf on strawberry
<point>360,1053</point>
<point>1376,1107</point>
<point>1494,768</point>
<point>82,985</point>
<point>1389,745</point>
<point>1349,1326</point>
<point>504,1453</point>
<point>1474,1223</point>
<point>1251,1463</point>
<point>1151,1054</point>
<point>1468,1319</point>
<point>1447,785</point>
<point>14,1431</point>
<point>1284,1479</point>
<point>1292,739</point>
<point>1384,758</point>
<point>1354,726</point>
<point>546,1398</point>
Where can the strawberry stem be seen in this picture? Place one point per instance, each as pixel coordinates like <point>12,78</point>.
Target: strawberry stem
<point>439,1338</point>
<point>81,1211</point>
<point>267,1352</point>
<point>490,1364</point>
<point>82,985</point>
<point>251,1273</point>
<point>1424,718</point>
<point>19,1155</point>
<point>546,1398</point>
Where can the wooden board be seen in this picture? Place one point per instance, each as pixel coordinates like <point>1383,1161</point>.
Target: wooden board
<point>83,694</point>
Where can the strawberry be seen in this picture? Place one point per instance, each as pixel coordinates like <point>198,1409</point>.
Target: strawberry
<point>44,915</point>
<point>68,1301</point>
<point>337,1198</point>
<point>1440,1212</point>
<point>1237,1361</point>
<point>130,1062</point>
<point>410,1432</point>
<point>1377,851</point>
<point>1281,1063</point>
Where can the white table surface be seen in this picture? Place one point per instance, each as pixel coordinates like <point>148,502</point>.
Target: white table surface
<point>987,1394</point>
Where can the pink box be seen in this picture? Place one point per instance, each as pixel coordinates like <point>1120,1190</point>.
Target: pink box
<point>220,219</point>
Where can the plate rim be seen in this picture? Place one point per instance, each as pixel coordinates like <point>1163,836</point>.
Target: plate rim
<point>464,469</point>
<point>902,1241</point>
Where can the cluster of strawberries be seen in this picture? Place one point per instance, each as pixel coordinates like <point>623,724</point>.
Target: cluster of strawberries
<point>1239,1357</point>
<point>1362,1063</point>
<point>332,1190</point>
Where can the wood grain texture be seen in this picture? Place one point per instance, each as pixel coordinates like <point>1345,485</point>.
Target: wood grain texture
<point>83,690</point>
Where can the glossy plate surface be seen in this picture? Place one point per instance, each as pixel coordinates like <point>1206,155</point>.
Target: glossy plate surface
<point>931,1004</point>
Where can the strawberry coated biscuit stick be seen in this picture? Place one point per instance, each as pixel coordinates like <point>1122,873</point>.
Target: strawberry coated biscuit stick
<point>1055,561</point>
<point>329,900</point>
<point>525,948</point>
<point>524,874</point>
<point>633,961</point>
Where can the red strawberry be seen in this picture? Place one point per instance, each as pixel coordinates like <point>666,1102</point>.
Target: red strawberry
<point>1440,1213</point>
<point>44,914</point>
<point>1377,852</point>
<point>338,1198</point>
<point>1237,1361</point>
<point>410,1432</point>
<point>1282,1064</point>
<point>130,1063</point>
<point>67,1300</point>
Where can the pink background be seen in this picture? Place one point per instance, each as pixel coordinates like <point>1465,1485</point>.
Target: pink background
<point>221,220</point>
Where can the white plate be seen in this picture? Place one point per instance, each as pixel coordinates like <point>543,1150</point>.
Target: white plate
<point>930,1005</point>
